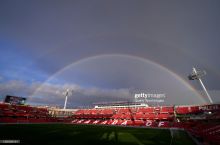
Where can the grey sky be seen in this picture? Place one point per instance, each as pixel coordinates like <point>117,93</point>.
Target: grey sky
<point>39,38</point>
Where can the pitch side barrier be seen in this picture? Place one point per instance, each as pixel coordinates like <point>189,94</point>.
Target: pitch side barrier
<point>136,123</point>
<point>163,128</point>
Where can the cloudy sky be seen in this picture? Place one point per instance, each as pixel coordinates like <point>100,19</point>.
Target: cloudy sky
<point>109,50</point>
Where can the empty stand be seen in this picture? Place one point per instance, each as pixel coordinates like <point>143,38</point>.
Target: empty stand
<point>198,120</point>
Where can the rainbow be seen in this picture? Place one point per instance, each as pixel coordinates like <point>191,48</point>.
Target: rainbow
<point>176,76</point>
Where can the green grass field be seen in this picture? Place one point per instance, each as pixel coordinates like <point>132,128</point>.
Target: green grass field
<point>67,134</point>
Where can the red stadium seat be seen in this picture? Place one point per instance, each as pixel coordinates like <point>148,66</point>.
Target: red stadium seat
<point>165,109</point>
<point>104,122</point>
<point>87,121</point>
<point>116,116</point>
<point>116,122</point>
<point>127,123</point>
<point>95,111</point>
<point>182,110</point>
<point>139,115</point>
<point>79,112</point>
<point>139,123</point>
<point>164,116</point>
<point>8,120</point>
<point>96,122</point>
<point>74,121</point>
<point>5,107</point>
<point>126,116</point>
<point>9,113</point>
<point>107,111</point>
<point>150,123</point>
<point>164,124</point>
<point>194,109</point>
<point>146,110</point>
<point>22,114</point>
<point>23,108</point>
<point>80,121</point>
<point>157,109</point>
<point>151,116</point>
<point>22,120</point>
<point>124,111</point>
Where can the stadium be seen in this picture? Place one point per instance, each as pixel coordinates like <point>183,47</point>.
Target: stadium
<point>110,72</point>
<point>110,123</point>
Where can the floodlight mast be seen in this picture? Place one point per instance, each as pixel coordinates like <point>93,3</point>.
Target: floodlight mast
<point>197,75</point>
<point>67,93</point>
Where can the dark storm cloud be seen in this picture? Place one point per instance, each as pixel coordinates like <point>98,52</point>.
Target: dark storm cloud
<point>54,94</point>
<point>177,34</point>
<point>53,34</point>
<point>51,94</point>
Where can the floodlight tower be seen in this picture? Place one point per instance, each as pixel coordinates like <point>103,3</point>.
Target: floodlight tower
<point>67,93</point>
<point>196,75</point>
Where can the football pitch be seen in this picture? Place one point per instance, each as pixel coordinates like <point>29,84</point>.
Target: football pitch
<point>68,134</point>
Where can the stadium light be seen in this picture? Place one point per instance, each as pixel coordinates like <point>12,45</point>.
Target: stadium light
<point>67,93</point>
<point>197,75</point>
